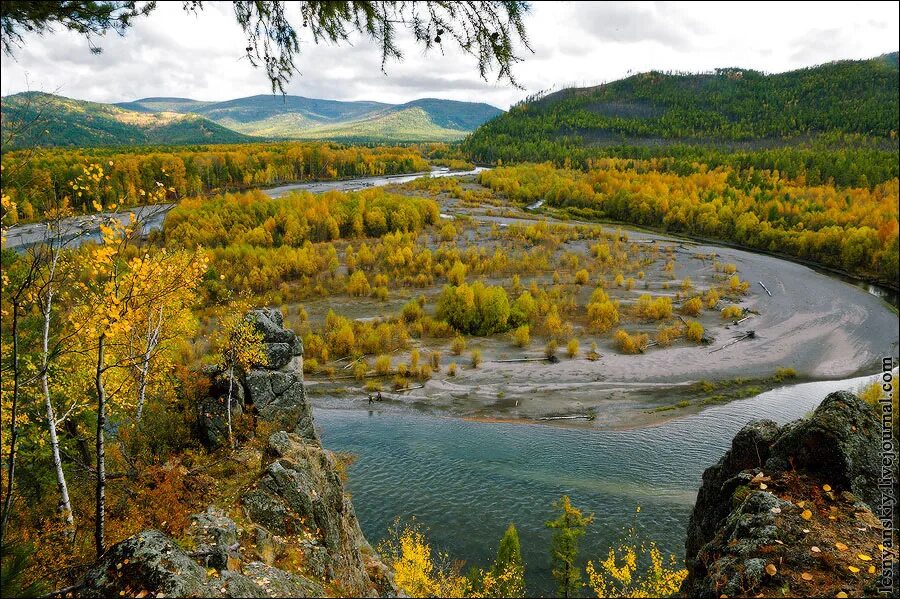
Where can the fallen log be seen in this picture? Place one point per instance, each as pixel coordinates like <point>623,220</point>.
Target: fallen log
<point>747,335</point>
<point>766,288</point>
<point>512,360</point>
<point>575,417</point>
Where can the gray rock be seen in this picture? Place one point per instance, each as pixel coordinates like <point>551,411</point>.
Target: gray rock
<point>278,355</point>
<point>280,397</point>
<point>841,442</point>
<point>749,451</point>
<point>151,562</point>
<point>269,322</point>
<point>213,419</point>
<point>732,523</point>
<point>269,547</point>
<point>300,492</point>
<point>279,583</point>
<point>216,537</point>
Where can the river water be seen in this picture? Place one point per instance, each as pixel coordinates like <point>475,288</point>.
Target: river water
<point>466,481</point>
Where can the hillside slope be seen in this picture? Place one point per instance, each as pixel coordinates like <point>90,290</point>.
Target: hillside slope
<point>297,117</point>
<point>39,119</point>
<point>730,108</point>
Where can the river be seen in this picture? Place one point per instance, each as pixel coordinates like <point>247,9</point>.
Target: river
<point>81,229</point>
<point>466,481</point>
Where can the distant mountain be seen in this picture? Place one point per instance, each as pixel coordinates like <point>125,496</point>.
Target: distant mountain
<point>39,119</point>
<point>162,120</point>
<point>731,107</point>
<point>428,119</point>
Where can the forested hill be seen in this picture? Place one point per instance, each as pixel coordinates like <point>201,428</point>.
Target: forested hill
<point>50,120</point>
<point>426,119</point>
<point>38,119</point>
<point>844,103</point>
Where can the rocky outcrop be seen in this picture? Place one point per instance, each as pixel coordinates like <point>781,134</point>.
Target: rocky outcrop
<point>151,564</point>
<point>297,534</point>
<point>273,391</point>
<point>300,496</point>
<point>791,507</point>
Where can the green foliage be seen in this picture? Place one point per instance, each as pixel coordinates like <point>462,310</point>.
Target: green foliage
<point>853,229</point>
<point>836,121</point>
<point>568,528</point>
<point>43,178</point>
<point>477,309</point>
<point>13,566</point>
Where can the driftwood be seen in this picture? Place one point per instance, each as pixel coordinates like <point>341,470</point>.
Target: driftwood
<point>747,335</point>
<point>766,288</point>
<point>511,360</point>
<point>576,417</point>
<point>409,389</point>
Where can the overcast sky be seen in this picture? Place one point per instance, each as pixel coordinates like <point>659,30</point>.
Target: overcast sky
<point>172,53</point>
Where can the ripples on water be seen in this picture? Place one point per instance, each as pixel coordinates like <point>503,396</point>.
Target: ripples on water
<point>466,481</point>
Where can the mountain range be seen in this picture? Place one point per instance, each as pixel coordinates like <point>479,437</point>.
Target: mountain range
<point>61,121</point>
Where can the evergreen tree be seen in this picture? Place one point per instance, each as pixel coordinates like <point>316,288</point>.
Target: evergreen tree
<point>509,568</point>
<point>570,527</point>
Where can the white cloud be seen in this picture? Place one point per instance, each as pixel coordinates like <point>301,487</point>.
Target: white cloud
<point>172,53</point>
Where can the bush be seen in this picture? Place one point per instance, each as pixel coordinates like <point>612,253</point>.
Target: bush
<point>435,359</point>
<point>358,285</point>
<point>383,364</point>
<point>572,348</point>
<point>651,308</point>
<point>476,358</point>
<point>694,331</point>
<point>451,369</point>
<point>631,344</point>
<point>458,346</point>
<point>522,336</point>
<point>550,348</point>
<point>581,277</point>
<point>732,312</point>
<point>692,307</point>
<point>783,373</point>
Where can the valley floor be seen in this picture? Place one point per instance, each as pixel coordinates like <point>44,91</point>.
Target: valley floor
<point>820,326</point>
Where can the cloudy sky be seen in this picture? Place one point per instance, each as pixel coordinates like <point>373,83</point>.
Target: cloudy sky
<point>172,53</point>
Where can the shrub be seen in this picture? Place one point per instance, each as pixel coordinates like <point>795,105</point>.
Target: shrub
<point>581,277</point>
<point>593,355</point>
<point>476,358</point>
<point>400,382</point>
<point>651,308</point>
<point>572,347</point>
<point>667,335</point>
<point>435,360</point>
<point>458,346</point>
<point>732,312</point>
<point>692,307</point>
<point>451,369</point>
<point>522,336</point>
<point>711,298</point>
<point>383,364</point>
<point>631,344</point>
<point>358,285</point>
<point>782,373</point>
<point>550,348</point>
<point>694,331</point>
<point>360,369</point>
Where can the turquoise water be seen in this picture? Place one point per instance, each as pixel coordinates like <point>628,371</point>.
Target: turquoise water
<point>465,481</point>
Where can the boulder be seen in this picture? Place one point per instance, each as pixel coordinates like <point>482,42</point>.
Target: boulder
<point>840,443</point>
<point>280,397</point>
<point>300,493</point>
<point>213,418</point>
<point>780,491</point>
<point>216,538</point>
<point>147,564</point>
